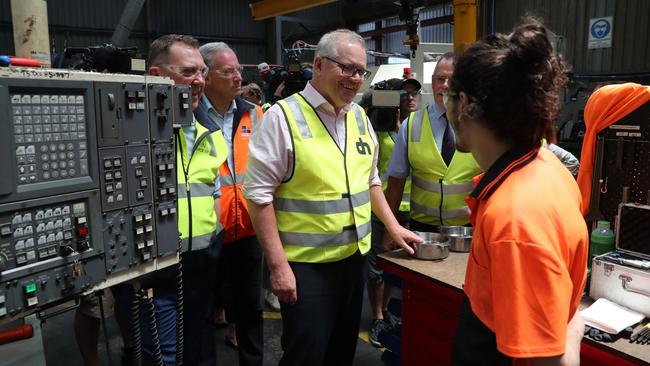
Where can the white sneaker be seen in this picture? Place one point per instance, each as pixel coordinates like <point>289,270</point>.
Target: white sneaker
<point>272,301</point>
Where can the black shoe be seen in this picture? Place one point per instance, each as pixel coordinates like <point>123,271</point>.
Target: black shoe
<point>377,326</point>
<point>392,322</point>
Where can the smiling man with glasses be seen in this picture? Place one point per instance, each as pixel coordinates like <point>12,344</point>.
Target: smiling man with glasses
<point>311,182</point>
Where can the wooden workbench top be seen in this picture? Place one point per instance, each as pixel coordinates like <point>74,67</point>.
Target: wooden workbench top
<point>449,271</point>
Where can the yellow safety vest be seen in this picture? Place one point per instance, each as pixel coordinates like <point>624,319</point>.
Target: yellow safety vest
<point>386,146</point>
<point>323,209</point>
<point>197,221</point>
<point>438,192</point>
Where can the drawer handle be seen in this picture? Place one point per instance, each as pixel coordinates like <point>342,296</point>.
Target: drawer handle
<point>625,280</point>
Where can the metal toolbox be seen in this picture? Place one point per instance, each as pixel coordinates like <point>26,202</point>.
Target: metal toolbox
<point>623,276</point>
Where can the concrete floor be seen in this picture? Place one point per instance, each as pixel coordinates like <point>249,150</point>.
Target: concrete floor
<point>61,349</point>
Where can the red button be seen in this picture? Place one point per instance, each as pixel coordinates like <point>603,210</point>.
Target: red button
<point>82,231</point>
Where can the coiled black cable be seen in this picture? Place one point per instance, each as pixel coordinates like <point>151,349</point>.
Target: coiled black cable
<point>153,327</point>
<point>136,354</point>
<point>179,315</point>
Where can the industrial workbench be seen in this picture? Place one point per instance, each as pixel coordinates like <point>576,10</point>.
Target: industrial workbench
<point>431,298</point>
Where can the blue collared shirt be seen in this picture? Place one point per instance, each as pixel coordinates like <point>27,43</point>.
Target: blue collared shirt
<point>399,166</point>
<point>224,122</point>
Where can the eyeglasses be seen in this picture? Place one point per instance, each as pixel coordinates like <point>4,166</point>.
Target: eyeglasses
<point>408,94</point>
<point>187,71</point>
<point>445,97</point>
<point>441,79</point>
<point>229,72</point>
<point>350,70</point>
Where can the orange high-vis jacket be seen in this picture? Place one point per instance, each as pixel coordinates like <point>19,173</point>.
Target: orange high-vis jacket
<point>605,106</point>
<point>234,210</point>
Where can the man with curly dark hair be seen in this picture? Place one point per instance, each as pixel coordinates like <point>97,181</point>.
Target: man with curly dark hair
<point>526,271</point>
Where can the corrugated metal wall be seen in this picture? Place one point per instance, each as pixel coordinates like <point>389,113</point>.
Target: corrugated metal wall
<point>630,51</point>
<point>83,23</point>
<point>394,41</point>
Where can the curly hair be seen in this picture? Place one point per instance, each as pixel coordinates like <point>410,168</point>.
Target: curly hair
<point>513,83</point>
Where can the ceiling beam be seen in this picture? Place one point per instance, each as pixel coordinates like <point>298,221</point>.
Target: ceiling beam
<point>270,8</point>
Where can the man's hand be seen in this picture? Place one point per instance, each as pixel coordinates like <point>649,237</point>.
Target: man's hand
<point>283,284</point>
<point>403,237</point>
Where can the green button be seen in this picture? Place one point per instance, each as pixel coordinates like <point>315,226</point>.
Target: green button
<point>30,288</point>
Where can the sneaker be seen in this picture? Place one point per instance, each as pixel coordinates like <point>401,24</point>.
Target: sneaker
<point>272,301</point>
<point>377,326</point>
<point>392,321</point>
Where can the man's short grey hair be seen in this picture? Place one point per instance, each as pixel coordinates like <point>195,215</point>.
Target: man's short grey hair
<point>446,56</point>
<point>209,50</point>
<point>327,45</point>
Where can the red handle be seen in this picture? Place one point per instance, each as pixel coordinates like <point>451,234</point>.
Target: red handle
<point>14,334</point>
<point>18,61</point>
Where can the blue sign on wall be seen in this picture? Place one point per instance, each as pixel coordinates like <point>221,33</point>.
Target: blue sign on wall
<point>600,32</point>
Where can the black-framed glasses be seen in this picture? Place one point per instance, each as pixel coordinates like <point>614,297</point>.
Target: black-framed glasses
<point>445,97</point>
<point>410,94</point>
<point>229,71</point>
<point>187,71</point>
<point>350,70</point>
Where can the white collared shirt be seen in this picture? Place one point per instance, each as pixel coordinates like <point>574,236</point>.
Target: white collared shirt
<point>270,151</point>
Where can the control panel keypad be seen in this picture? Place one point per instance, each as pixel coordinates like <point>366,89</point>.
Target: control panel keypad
<point>38,234</point>
<point>50,135</point>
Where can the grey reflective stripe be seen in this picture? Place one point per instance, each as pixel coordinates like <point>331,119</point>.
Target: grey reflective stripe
<point>406,197</point>
<point>361,122</point>
<point>416,124</point>
<point>198,242</point>
<point>298,116</point>
<point>226,180</point>
<point>325,240</point>
<point>434,212</point>
<point>446,188</point>
<point>197,189</point>
<point>253,115</point>
<point>321,207</point>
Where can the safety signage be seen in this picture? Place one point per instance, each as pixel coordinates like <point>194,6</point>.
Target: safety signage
<point>600,32</point>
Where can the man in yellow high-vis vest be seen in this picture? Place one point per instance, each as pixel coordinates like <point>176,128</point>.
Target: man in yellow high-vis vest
<point>200,151</point>
<point>441,177</point>
<point>310,184</point>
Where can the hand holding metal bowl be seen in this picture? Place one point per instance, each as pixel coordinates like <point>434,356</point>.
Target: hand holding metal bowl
<point>460,237</point>
<point>434,246</point>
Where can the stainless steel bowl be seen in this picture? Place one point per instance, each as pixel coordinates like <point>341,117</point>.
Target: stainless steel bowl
<point>460,237</point>
<point>434,246</point>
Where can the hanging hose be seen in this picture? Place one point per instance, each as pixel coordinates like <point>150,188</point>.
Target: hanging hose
<point>136,354</point>
<point>153,326</point>
<point>179,315</point>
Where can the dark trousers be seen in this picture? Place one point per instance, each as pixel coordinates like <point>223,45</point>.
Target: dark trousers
<point>241,265</point>
<point>322,327</point>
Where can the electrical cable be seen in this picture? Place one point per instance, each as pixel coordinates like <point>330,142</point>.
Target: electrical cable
<point>103,324</point>
<point>136,354</point>
<point>179,315</point>
<point>153,327</point>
